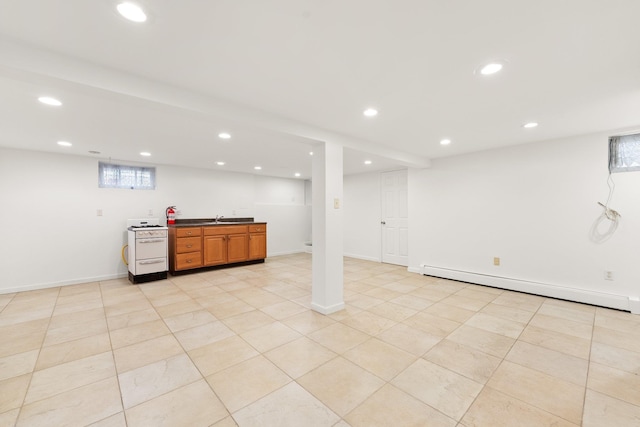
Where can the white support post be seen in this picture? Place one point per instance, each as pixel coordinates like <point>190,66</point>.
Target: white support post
<point>327,294</point>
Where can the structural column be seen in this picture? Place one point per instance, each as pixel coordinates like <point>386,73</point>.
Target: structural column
<point>327,294</point>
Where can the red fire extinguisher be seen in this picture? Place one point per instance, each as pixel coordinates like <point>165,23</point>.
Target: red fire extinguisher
<point>171,215</point>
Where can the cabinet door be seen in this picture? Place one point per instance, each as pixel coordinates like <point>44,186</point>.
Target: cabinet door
<point>215,250</point>
<point>237,247</point>
<point>257,246</point>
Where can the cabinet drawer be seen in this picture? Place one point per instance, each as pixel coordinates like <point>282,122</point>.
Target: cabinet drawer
<point>231,229</point>
<point>188,244</point>
<point>188,232</point>
<point>188,260</point>
<point>258,228</point>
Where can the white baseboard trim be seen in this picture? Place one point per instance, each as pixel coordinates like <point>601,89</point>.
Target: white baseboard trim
<point>327,310</point>
<point>619,302</point>
<point>62,283</point>
<point>362,257</point>
<point>285,253</point>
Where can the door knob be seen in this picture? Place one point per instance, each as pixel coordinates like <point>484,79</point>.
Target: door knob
<point>383,222</point>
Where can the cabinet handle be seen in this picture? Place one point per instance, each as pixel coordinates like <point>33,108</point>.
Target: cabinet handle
<point>189,246</point>
<point>188,233</point>
<point>189,261</point>
<point>224,237</point>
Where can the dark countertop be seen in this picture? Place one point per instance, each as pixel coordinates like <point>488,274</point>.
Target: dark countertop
<point>197,222</point>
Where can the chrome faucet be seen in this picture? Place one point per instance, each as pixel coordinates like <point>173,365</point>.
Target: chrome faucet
<point>219,217</point>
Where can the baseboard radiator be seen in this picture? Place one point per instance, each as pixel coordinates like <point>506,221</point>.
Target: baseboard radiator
<point>619,302</point>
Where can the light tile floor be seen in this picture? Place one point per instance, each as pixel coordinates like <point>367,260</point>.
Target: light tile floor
<point>240,346</point>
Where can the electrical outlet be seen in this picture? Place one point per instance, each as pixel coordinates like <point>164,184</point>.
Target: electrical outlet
<point>178,212</point>
<point>608,275</point>
<point>99,212</point>
<point>496,261</point>
<point>150,212</point>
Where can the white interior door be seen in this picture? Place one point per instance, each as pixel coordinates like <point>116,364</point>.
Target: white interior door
<point>394,221</point>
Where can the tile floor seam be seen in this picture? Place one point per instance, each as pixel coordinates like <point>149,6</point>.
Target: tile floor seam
<point>485,385</point>
<point>8,302</point>
<point>260,353</point>
<point>22,405</point>
<point>427,351</point>
<point>391,385</point>
<point>523,402</point>
<point>268,394</point>
<point>474,399</point>
<point>342,418</point>
<point>112,352</point>
<point>160,395</point>
<point>212,390</point>
<point>184,350</point>
<point>586,382</point>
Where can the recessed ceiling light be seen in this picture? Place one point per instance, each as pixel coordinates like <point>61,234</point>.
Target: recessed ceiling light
<point>257,168</point>
<point>64,143</point>
<point>370,112</point>
<point>297,174</point>
<point>220,163</point>
<point>132,12</point>
<point>311,153</point>
<point>145,153</point>
<point>530,125</point>
<point>224,135</point>
<point>445,141</point>
<point>367,162</point>
<point>50,101</point>
<point>491,68</point>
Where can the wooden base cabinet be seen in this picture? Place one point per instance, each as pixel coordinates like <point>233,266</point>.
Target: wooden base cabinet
<point>225,244</point>
<point>258,241</point>
<point>185,248</point>
<point>205,246</point>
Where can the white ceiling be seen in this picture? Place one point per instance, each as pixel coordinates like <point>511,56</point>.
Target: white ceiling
<point>281,75</point>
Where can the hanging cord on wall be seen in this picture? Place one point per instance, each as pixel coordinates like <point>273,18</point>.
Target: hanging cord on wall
<point>124,259</point>
<point>610,213</point>
<point>607,214</point>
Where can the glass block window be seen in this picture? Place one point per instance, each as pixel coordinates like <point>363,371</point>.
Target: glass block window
<point>624,153</point>
<point>129,177</point>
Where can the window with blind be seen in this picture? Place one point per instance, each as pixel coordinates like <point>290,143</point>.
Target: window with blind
<point>130,177</point>
<point>624,153</point>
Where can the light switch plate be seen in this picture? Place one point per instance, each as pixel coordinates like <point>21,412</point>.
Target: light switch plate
<point>336,203</point>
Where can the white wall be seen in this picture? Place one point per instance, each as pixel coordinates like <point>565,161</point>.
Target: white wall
<point>533,206</point>
<point>281,203</point>
<point>362,214</point>
<point>53,236</point>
